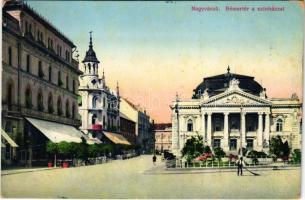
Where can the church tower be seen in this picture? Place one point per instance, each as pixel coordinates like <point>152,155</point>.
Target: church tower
<point>90,61</point>
<point>96,109</point>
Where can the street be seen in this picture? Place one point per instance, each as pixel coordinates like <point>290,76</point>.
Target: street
<point>126,179</point>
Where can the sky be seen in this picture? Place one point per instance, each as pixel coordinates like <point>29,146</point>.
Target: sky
<point>157,49</point>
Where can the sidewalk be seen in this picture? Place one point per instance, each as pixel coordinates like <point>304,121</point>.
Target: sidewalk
<point>160,168</point>
<point>25,170</point>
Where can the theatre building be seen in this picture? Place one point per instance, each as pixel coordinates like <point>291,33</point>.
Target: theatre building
<point>39,86</point>
<point>232,111</point>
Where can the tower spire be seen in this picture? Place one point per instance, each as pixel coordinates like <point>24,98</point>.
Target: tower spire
<point>228,69</point>
<point>117,88</point>
<point>90,43</point>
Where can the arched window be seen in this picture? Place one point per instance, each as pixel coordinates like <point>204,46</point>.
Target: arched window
<point>59,106</point>
<point>50,73</point>
<point>28,63</point>
<point>189,125</point>
<point>40,101</point>
<point>40,70</point>
<point>50,103</point>
<point>73,111</point>
<point>10,89</point>
<point>73,86</point>
<point>89,66</point>
<point>10,55</point>
<point>67,108</point>
<point>93,119</point>
<point>59,79</point>
<point>279,125</point>
<point>94,102</point>
<point>28,97</point>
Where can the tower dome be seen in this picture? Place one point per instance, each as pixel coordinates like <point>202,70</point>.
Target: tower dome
<point>90,61</point>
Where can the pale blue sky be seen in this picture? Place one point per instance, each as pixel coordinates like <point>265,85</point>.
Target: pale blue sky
<point>167,47</point>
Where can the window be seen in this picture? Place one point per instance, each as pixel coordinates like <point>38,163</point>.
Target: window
<point>73,86</point>
<point>233,144</point>
<point>279,125</point>
<point>59,79</point>
<point>93,119</point>
<point>216,143</point>
<point>50,103</point>
<point>59,106</point>
<point>28,63</point>
<point>26,27</point>
<point>94,101</point>
<point>9,96</point>
<point>50,73</point>
<point>67,108</point>
<point>10,55</point>
<point>40,101</point>
<point>73,111</point>
<point>67,82</point>
<point>28,98</point>
<point>189,125</point>
<point>40,70</point>
<point>249,144</point>
<point>217,124</point>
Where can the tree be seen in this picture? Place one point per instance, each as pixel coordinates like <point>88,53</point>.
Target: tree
<point>52,148</point>
<point>296,155</point>
<point>219,153</point>
<point>64,148</point>
<point>193,147</point>
<point>93,150</point>
<point>207,149</point>
<point>278,148</point>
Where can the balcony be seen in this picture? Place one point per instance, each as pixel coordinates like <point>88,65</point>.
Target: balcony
<point>97,127</point>
<point>26,112</point>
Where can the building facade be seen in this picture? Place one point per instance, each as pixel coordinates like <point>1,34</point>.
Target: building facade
<point>233,111</point>
<point>128,128</point>
<point>99,107</point>
<point>144,130</point>
<point>163,137</point>
<point>39,78</point>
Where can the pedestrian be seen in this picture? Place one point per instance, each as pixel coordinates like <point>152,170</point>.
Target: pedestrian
<point>154,159</point>
<point>240,165</point>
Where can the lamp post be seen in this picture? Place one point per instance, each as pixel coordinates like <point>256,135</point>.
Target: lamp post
<point>241,128</point>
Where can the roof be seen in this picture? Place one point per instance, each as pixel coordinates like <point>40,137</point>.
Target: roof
<point>22,6</point>
<point>116,138</point>
<point>125,117</point>
<point>57,132</point>
<point>162,126</point>
<point>219,83</point>
<point>90,54</point>
<point>8,139</point>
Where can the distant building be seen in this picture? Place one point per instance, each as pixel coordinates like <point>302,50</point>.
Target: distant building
<point>163,137</point>
<point>39,83</point>
<point>233,111</point>
<point>144,131</point>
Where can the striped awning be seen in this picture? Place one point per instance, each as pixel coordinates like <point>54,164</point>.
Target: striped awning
<point>8,139</point>
<point>116,138</point>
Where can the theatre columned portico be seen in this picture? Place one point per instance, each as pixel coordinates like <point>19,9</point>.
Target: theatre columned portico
<point>232,118</point>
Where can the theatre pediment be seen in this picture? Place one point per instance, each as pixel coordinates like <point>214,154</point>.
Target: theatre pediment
<point>236,98</point>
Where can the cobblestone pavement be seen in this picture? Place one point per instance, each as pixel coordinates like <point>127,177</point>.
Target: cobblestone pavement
<point>128,179</point>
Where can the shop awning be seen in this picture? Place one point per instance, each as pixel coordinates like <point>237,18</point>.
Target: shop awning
<point>116,138</point>
<point>57,132</point>
<point>8,139</point>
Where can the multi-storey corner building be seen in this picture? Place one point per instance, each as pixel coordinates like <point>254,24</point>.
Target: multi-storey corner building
<point>232,111</point>
<point>39,80</point>
<point>99,107</point>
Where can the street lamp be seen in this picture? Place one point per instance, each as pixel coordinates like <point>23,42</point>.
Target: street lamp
<point>241,128</point>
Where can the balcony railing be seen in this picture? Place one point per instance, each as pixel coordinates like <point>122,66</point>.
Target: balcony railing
<point>13,109</point>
